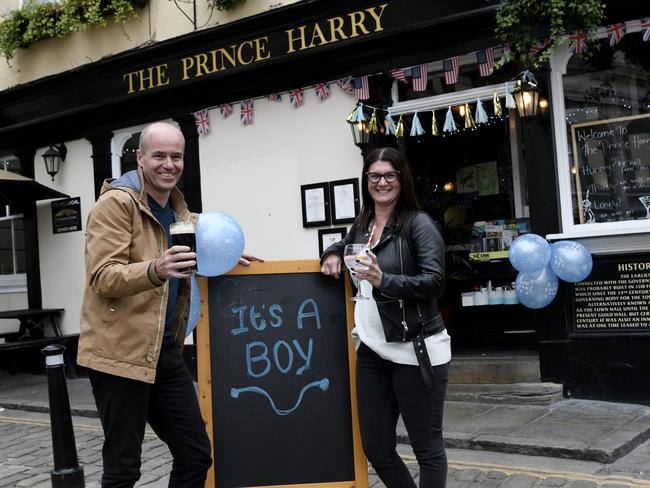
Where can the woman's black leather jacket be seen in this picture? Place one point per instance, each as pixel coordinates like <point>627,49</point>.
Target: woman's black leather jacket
<point>413,269</point>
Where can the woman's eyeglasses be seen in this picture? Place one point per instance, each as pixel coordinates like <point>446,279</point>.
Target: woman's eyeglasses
<point>390,177</point>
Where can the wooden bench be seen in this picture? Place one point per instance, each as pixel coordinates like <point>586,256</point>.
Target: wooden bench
<point>15,350</point>
<point>33,322</point>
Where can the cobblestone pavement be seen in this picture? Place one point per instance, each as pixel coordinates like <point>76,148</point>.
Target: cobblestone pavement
<point>26,461</point>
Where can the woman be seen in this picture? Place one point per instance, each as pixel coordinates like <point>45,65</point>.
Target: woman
<point>404,352</point>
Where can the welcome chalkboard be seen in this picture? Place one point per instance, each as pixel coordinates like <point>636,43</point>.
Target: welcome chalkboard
<point>612,168</point>
<point>276,368</point>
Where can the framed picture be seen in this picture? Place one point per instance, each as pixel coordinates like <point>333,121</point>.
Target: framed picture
<point>327,237</point>
<point>345,200</point>
<point>315,204</point>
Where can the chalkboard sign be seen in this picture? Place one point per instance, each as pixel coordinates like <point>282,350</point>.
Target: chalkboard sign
<point>276,369</point>
<point>612,168</point>
<point>615,298</point>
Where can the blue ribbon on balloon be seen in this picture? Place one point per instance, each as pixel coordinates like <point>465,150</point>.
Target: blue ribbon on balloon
<point>541,264</point>
<point>219,245</point>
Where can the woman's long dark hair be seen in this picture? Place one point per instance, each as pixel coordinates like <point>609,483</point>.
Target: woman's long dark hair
<point>407,201</point>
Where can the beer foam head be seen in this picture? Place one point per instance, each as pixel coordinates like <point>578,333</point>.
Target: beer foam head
<point>185,227</point>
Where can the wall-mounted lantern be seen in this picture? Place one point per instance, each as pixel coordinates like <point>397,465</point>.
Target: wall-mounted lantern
<point>53,158</point>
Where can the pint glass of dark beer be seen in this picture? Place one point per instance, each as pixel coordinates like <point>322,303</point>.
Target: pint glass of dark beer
<point>183,235</point>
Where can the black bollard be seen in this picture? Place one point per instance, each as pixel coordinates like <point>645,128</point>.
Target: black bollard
<point>66,473</point>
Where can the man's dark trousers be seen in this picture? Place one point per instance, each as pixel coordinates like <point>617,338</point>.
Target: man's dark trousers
<point>169,405</point>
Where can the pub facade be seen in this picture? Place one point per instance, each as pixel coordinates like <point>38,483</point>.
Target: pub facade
<point>264,99</point>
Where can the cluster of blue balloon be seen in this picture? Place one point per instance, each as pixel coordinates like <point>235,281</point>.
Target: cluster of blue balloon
<point>219,245</point>
<point>540,264</point>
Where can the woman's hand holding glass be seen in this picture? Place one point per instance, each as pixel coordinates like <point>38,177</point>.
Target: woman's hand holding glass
<point>370,271</point>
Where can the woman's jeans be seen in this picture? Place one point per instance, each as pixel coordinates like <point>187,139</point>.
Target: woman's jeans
<point>384,391</point>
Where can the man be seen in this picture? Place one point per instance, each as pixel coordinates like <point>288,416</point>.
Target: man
<point>134,316</point>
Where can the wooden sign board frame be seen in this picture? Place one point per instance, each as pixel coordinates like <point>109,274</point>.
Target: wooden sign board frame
<point>204,362</point>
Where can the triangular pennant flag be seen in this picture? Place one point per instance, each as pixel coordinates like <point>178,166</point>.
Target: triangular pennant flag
<point>346,85</point>
<point>356,115</point>
<point>226,110</point>
<point>434,124</point>
<point>247,112</point>
<point>202,120</point>
<point>416,128</point>
<point>295,97</point>
<point>615,33</point>
<point>577,42</point>
<point>372,125</point>
<point>322,91</point>
<point>275,97</point>
<point>645,28</point>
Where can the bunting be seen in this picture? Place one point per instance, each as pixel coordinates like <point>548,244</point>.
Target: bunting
<point>247,112</point>
<point>416,128</point>
<point>295,98</point>
<point>450,67</point>
<point>615,33</point>
<point>645,28</point>
<point>361,87</point>
<point>275,97</point>
<point>398,74</point>
<point>577,42</point>
<point>202,120</point>
<point>346,85</point>
<point>485,59</point>
<point>419,76</point>
<point>539,45</point>
<point>226,110</point>
<point>322,91</point>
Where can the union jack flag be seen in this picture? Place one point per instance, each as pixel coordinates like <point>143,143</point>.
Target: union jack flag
<point>398,74</point>
<point>202,120</point>
<point>485,60</point>
<point>578,42</point>
<point>275,97</point>
<point>226,110</point>
<point>615,33</point>
<point>322,91</point>
<point>645,28</point>
<point>295,97</point>
<point>539,46</point>
<point>361,87</point>
<point>419,77</point>
<point>247,111</point>
<point>450,68</point>
<point>346,85</point>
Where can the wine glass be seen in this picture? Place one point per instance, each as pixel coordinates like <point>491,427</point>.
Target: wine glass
<point>350,255</point>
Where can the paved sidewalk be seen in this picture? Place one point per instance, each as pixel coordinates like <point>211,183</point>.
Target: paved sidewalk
<point>572,429</point>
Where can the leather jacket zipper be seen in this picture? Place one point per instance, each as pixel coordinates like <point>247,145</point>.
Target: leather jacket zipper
<point>401,304</point>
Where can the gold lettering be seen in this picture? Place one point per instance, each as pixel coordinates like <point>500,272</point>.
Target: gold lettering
<point>130,77</point>
<point>202,65</point>
<point>377,17</point>
<point>337,29</point>
<point>317,33</point>
<point>292,40</point>
<point>354,23</point>
<point>261,45</point>
<point>148,79</point>
<point>239,52</point>
<point>162,75</point>
<point>229,56</point>
<point>187,65</point>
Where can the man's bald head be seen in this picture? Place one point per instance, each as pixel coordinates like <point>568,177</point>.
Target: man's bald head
<point>160,128</point>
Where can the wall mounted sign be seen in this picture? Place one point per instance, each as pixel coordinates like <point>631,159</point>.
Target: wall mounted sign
<point>66,215</point>
<point>615,298</point>
<point>612,168</point>
<point>275,369</point>
<point>345,200</point>
<point>315,200</point>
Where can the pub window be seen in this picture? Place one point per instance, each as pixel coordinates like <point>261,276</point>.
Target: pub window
<point>607,111</point>
<point>128,160</point>
<point>12,236</point>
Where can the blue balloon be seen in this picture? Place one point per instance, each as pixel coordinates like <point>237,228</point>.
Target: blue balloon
<point>219,243</point>
<point>536,290</point>
<point>195,305</point>
<point>529,253</point>
<point>571,261</point>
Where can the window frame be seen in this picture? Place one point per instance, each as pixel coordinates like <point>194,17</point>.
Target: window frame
<point>569,229</point>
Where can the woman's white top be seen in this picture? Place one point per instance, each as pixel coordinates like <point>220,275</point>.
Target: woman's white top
<point>368,329</point>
